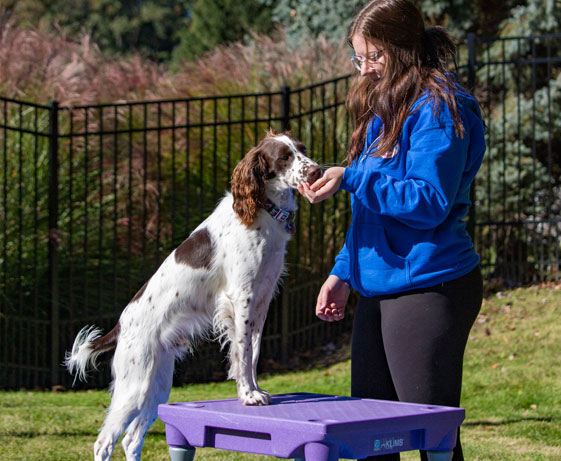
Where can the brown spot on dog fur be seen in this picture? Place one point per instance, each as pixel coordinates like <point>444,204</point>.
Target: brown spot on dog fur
<point>139,293</point>
<point>197,251</point>
<point>107,342</point>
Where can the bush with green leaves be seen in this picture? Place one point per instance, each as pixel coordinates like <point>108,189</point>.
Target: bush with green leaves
<point>518,84</point>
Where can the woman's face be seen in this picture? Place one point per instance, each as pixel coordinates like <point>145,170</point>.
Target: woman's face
<point>372,57</point>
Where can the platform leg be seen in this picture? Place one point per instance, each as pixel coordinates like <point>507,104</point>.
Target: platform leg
<point>321,452</point>
<point>181,454</point>
<point>440,455</point>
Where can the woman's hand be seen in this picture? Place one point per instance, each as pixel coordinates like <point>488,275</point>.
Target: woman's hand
<point>325,186</point>
<point>332,299</point>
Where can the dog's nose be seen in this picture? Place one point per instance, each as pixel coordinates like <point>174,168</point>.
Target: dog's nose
<point>313,174</point>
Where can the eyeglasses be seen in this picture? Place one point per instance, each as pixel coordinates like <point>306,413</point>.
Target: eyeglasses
<point>372,59</point>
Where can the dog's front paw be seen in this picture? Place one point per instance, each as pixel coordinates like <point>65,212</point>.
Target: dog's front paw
<point>254,398</point>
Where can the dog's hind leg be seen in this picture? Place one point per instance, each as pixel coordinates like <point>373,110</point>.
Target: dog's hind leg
<point>131,384</point>
<point>122,410</point>
<point>159,393</point>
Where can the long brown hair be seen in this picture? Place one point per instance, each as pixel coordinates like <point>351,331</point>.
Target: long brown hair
<point>417,60</point>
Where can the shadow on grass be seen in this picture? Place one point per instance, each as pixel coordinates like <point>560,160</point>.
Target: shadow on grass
<point>547,419</point>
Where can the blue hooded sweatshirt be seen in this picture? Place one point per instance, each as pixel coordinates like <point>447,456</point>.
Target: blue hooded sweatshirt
<point>408,228</point>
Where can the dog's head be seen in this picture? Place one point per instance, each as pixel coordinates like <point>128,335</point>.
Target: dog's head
<point>278,162</point>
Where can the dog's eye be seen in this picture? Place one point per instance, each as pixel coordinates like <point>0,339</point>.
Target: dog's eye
<point>285,157</point>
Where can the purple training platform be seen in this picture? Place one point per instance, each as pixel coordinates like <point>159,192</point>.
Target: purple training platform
<point>314,427</point>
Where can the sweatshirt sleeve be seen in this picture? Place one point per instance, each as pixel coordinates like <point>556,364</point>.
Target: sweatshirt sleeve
<point>424,196</point>
<point>342,267</point>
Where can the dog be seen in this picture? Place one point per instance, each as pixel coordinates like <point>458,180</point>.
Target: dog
<point>220,280</point>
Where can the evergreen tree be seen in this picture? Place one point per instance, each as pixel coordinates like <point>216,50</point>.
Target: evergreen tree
<point>482,17</point>
<point>150,27</point>
<point>214,22</point>
<point>521,94</point>
<point>305,19</point>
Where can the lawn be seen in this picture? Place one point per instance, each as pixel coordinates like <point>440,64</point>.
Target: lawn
<point>512,394</point>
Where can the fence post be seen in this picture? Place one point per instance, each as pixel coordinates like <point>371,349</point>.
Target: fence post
<point>285,326</point>
<point>53,240</point>
<point>471,61</point>
<point>471,87</point>
<point>285,315</point>
<point>285,108</point>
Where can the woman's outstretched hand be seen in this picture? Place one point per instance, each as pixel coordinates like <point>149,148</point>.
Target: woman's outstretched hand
<point>325,186</point>
<point>332,299</point>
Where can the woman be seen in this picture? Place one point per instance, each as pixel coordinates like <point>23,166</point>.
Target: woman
<point>417,144</point>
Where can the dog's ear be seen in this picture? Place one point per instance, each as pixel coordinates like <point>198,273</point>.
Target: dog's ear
<point>248,185</point>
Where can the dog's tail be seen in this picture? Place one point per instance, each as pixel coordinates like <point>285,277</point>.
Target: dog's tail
<point>88,345</point>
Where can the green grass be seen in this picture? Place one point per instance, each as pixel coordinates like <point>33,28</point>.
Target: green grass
<point>512,394</point>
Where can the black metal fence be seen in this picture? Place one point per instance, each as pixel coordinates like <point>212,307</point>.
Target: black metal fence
<point>516,215</point>
<point>92,198</point>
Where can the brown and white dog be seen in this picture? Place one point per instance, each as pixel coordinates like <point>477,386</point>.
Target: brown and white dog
<point>220,280</point>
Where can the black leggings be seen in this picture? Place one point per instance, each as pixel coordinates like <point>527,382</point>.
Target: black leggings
<point>410,346</point>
